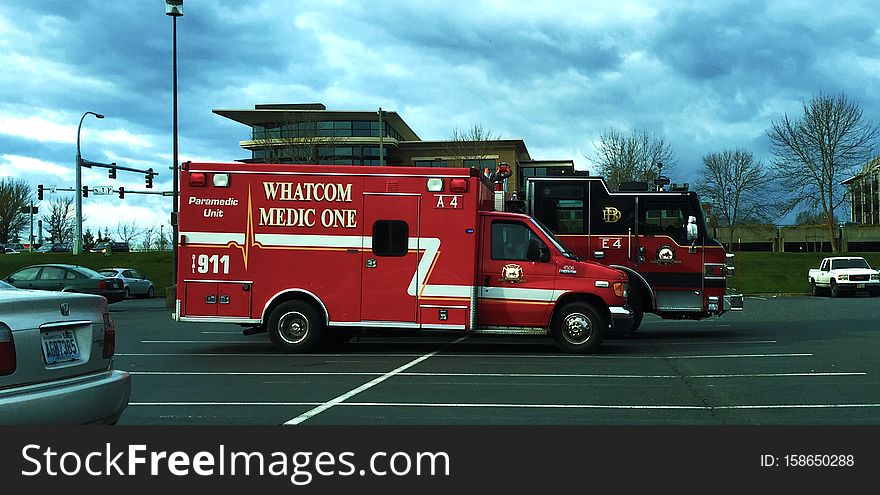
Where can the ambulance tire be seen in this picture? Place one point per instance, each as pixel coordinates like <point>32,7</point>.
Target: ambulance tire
<point>638,316</point>
<point>578,328</point>
<point>295,327</point>
<point>635,304</point>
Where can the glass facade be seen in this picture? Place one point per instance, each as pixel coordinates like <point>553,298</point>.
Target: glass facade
<point>327,155</point>
<point>431,163</point>
<point>346,128</point>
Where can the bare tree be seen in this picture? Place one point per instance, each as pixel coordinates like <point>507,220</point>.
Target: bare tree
<point>471,145</point>
<point>297,137</point>
<point>634,157</point>
<point>815,152</point>
<point>128,231</point>
<point>14,195</point>
<point>737,186</point>
<point>59,220</point>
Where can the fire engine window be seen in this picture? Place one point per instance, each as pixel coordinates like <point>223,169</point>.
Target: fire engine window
<point>562,216</point>
<point>667,219</point>
<point>510,241</point>
<point>390,238</point>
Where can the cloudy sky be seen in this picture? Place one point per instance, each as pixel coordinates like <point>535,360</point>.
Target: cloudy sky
<point>703,75</point>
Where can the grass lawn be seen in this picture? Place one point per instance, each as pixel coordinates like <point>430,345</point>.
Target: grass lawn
<point>756,273</point>
<point>781,272</point>
<point>156,265</point>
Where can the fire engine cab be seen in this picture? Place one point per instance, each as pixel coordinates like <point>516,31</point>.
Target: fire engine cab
<point>313,253</point>
<point>658,236</point>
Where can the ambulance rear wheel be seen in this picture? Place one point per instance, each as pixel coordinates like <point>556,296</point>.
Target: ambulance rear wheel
<point>295,327</point>
<point>638,311</point>
<point>578,328</point>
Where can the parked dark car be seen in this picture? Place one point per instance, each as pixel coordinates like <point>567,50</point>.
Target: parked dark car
<point>56,248</point>
<point>68,278</point>
<point>113,247</point>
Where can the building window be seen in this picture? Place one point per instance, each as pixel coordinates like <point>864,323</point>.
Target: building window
<point>480,164</point>
<point>430,163</point>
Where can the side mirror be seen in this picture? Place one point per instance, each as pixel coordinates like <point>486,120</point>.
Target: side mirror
<point>537,252</point>
<point>544,254</point>
<point>692,228</point>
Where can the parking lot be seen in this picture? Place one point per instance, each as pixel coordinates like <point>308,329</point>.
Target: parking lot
<point>784,360</point>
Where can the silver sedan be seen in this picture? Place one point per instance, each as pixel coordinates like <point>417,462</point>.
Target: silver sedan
<point>56,359</point>
<point>135,283</point>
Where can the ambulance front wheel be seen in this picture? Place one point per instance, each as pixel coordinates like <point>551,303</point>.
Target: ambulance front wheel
<point>578,328</point>
<point>295,327</point>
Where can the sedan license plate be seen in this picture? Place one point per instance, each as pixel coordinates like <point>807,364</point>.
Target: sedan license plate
<point>860,286</point>
<point>59,346</point>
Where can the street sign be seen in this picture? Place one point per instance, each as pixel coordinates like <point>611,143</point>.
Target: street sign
<point>103,190</point>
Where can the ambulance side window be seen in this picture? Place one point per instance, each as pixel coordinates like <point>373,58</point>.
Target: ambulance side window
<point>510,241</point>
<point>390,238</point>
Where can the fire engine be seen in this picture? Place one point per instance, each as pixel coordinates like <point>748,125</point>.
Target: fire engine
<point>659,237</point>
<point>312,254</point>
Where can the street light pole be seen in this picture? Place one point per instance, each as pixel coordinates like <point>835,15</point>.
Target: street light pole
<point>174,8</point>
<point>77,236</point>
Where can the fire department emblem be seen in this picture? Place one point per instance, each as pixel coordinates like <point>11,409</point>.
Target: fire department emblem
<point>511,273</point>
<point>665,255</point>
<point>610,214</point>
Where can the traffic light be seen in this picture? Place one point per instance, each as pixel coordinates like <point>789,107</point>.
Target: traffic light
<point>40,192</point>
<point>112,172</point>
<point>148,178</point>
<point>121,192</point>
<point>85,191</point>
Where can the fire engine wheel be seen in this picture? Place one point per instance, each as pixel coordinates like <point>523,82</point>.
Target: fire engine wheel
<point>579,328</point>
<point>295,327</point>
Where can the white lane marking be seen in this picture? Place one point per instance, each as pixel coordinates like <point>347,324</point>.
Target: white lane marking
<point>509,406</point>
<point>469,356</point>
<point>246,342</point>
<point>660,342</point>
<point>493,375</point>
<point>615,343</point>
<point>370,384</point>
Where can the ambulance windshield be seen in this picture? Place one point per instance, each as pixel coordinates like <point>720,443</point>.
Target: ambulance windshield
<point>556,242</point>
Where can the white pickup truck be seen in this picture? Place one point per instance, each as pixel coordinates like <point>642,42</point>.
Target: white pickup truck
<point>844,274</point>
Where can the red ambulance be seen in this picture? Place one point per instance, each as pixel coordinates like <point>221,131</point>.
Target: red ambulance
<point>315,253</point>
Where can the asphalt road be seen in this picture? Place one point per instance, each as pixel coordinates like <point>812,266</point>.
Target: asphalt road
<point>786,360</point>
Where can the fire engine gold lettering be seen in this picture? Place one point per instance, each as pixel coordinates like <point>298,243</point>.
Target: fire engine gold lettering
<point>308,191</point>
<point>287,217</point>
